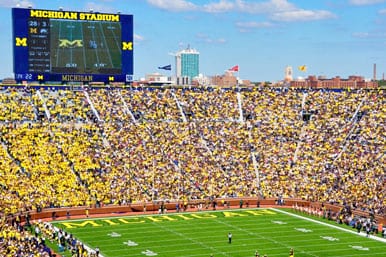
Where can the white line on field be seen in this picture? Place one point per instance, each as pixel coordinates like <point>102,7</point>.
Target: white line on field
<point>263,237</point>
<point>331,226</point>
<point>190,239</point>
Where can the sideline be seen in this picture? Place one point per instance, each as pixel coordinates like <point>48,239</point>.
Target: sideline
<point>68,253</point>
<point>331,226</point>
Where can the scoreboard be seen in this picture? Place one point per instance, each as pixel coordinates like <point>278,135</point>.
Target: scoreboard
<point>66,46</point>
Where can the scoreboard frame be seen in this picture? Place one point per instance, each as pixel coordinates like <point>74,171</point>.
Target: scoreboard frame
<point>22,50</point>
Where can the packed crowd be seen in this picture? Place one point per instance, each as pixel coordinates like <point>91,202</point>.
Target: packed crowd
<point>18,240</point>
<point>30,238</point>
<point>120,146</point>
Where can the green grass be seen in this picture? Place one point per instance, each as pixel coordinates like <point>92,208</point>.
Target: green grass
<point>269,231</point>
<point>327,221</point>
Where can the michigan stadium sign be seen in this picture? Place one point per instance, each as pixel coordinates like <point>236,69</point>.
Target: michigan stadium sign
<point>71,46</point>
<point>74,15</point>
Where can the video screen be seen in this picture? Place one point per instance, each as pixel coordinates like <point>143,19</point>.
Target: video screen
<point>85,47</point>
<point>73,46</point>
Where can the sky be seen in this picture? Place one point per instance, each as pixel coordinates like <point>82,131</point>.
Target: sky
<point>331,37</point>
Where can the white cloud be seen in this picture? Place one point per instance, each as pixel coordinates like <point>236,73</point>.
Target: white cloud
<point>369,34</point>
<point>302,15</point>
<point>361,34</point>
<point>138,38</point>
<point>206,39</point>
<point>249,7</point>
<point>366,2</point>
<point>382,11</point>
<point>173,5</point>
<point>278,10</point>
<point>219,7</point>
<point>104,8</point>
<point>254,25</point>
<point>266,7</point>
<point>16,3</point>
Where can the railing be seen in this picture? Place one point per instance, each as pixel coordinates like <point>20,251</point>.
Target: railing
<point>193,205</point>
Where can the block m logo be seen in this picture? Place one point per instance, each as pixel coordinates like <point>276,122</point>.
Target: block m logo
<point>65,43</point>
<point>127,46</point>
<point>21,41</point>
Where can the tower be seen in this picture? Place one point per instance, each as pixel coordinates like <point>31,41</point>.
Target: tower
<point>288,74</point>
<point>187,64</point>
<point>375,72</point>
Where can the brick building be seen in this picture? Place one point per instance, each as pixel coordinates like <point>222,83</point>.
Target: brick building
<point>337,82</point>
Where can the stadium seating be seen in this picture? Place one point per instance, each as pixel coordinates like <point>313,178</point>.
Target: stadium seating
<point>17,241</point>
<point>118,146</point>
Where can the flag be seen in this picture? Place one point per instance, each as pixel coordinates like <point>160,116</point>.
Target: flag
<point>166,67</point>
<point>234,68</point>
<point>302,68</point>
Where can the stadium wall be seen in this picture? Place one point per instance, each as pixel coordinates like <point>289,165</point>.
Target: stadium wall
<point>153,208</point>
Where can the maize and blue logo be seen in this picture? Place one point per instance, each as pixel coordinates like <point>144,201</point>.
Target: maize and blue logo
<point>65,43</point>
<point>127,46</point>
<point>21,41</point>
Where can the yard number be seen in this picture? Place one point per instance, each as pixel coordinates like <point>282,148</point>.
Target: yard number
<point>149,253</point>
<point>130,243</point>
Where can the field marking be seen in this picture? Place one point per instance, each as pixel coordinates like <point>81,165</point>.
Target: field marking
<point>89,249</point>
<point>57,49</point>
<point>263,237</point>
<point>304,230</point>
<point>130,243</point>
<point>331,226</point>
<point>84,48</point>
<point>107,47</point>
<point>279,222</point>
<point>359,247</point>
<point>329,238</point>
<point>114,234</point>
<point>236,210</point>
<point>154,214</point>
<point>190,239</point>
<point>115,36</point>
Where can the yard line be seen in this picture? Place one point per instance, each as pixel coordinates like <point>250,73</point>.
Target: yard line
<point>89,249</point>
<point>214,250</point>
<point>72,38</point>
<point>239,226</point>
<point>331,226</point>
<point>263,237</point>
<point>58,48</point>
<point>84,48</point>
<point>94,39</point>
<point>115,36</point>
<point>106,46</point>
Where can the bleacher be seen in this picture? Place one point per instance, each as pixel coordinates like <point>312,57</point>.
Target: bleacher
<point>118,146</point>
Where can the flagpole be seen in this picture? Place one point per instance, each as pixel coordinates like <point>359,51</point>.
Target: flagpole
<point>233,70</point>
<point>238,75</point>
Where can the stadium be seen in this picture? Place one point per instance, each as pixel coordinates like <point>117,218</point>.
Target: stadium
<point>123,170</point>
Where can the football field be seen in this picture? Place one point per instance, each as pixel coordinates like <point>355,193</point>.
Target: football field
<point>85,47</point>
<point>269,231</point>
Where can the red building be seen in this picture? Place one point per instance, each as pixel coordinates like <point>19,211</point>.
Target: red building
<point>337,82</point>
